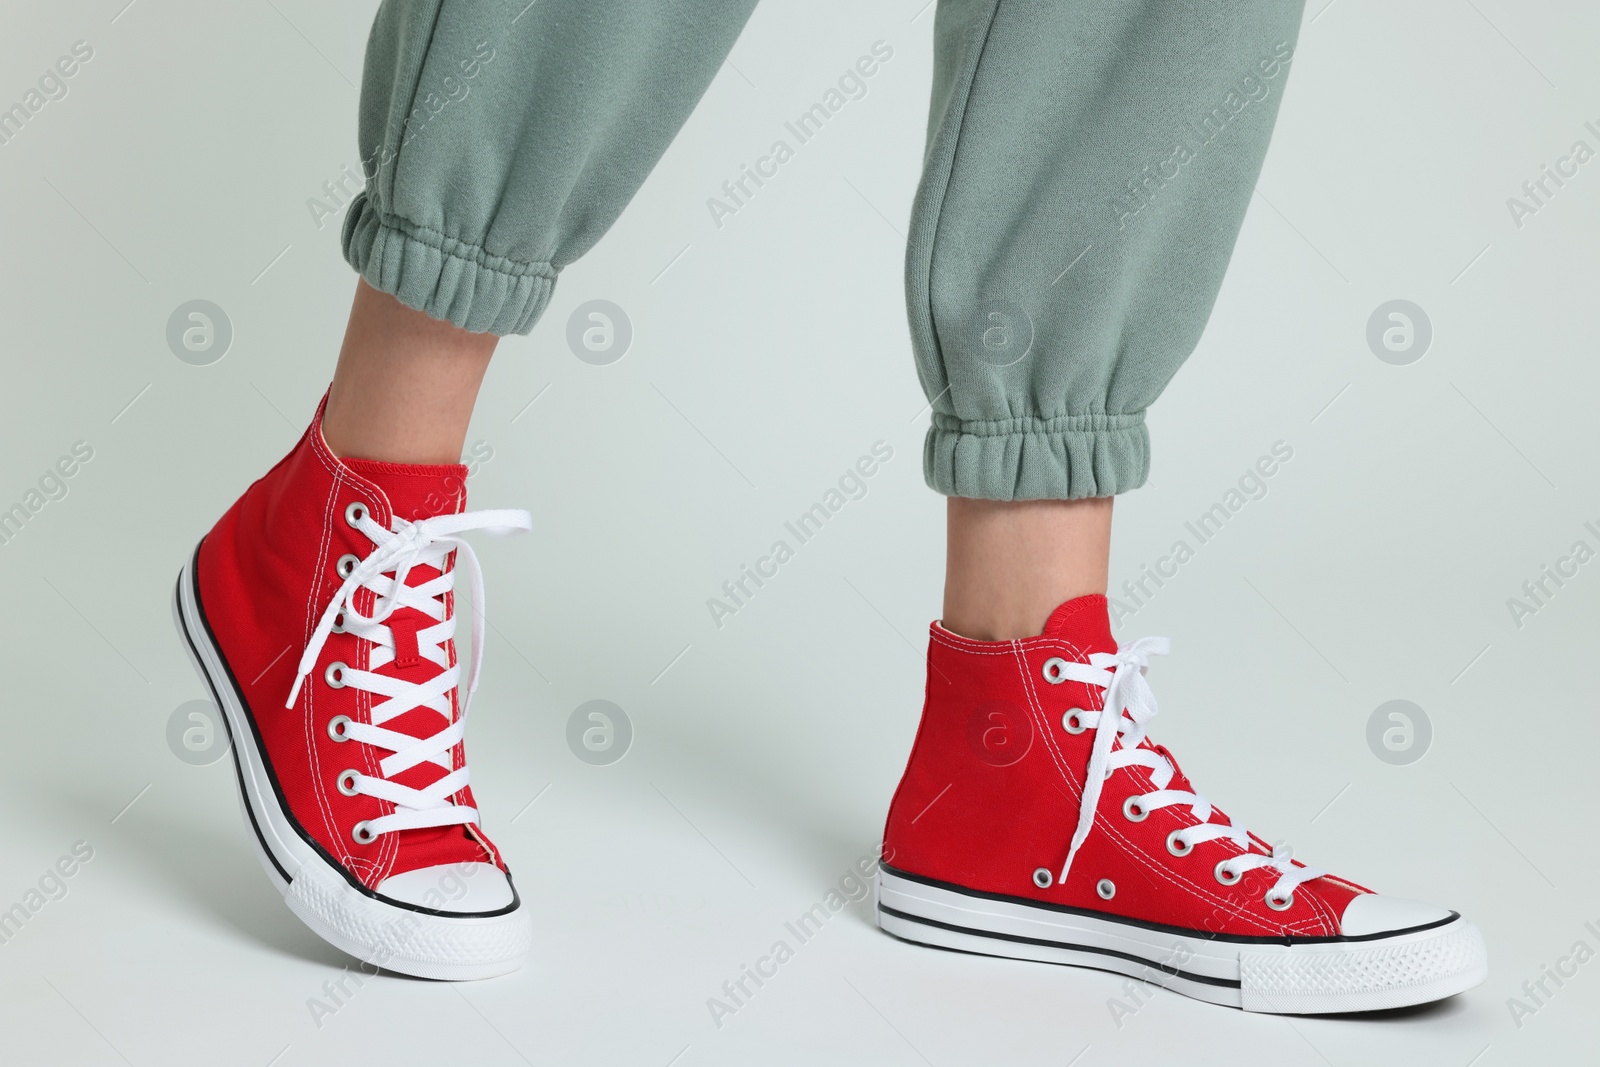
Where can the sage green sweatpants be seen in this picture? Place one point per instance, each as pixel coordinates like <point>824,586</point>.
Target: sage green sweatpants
<point>1088,166</point>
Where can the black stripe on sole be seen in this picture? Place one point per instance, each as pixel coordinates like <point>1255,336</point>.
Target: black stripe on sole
<point>1204,979</point>
<point>272,777</point>
<point>233,742</point>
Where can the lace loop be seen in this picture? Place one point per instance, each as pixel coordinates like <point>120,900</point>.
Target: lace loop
<point>1127,709</point>
<point>397,551</point>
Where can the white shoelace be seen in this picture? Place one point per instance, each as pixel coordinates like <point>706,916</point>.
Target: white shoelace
<point>409,544</point>
<point>1128,706</point>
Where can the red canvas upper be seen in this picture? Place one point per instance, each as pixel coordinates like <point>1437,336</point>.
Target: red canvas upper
<point>990,794</point>
<point>266,573</point>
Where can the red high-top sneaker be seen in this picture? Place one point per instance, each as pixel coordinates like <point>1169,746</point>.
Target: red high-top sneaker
<point>320,611</point>
<point>988,848</point>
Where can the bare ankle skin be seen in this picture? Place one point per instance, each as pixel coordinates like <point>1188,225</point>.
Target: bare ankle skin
<point>405,384</point>
<point>1009,564</point>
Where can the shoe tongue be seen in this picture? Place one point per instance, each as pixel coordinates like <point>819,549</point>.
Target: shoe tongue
<point>1085,622</point>
<point>416,491</point>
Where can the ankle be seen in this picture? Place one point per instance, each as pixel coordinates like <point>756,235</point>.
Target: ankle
<point>1011,563</point>
<point>375,436</point>
<point>405,385</point>
<point>1007,618</point>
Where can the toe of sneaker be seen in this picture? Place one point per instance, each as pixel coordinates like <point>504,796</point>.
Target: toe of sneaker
<point>1373,913</point>
<point>459,888</point>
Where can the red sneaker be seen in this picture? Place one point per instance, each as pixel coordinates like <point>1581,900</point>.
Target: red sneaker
<point>980,852</point>
<point>320,611</point>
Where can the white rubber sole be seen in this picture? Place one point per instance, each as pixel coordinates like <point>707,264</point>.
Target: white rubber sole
<point>1302,977</point>
<point>384,933</point>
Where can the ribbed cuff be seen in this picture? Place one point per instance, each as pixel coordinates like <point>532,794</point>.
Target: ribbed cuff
<point>443,276</point>
<point>1064,458</point>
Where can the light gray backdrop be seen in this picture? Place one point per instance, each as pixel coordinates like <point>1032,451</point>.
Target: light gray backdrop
<point>767,355</point>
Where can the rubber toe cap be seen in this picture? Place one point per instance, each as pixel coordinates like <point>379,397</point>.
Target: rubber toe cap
<point>451,887</point>
<point>1373,913</point>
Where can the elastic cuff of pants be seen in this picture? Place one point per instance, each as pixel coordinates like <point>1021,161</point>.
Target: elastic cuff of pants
<point>1064,458</point>
<point>443,276</point>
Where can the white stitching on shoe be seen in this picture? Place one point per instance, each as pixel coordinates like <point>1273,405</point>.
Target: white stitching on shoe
<point>308,725</point>
<point>1220,904</point>
<point>383,573</point>
<point>1124,844</point>
<point>1130,705</point>
<point>343,477</point>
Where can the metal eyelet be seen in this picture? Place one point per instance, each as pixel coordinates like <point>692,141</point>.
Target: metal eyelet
<point>1041,878</point>
<point>347,782</point>
<point>1132,811</point>
<point>1054,670</point>
<point>355,512</point>
<point>1227,875</point>
<point>338,623</point>
<point>1278,903</point>
<point>334,675</point>
<point>362,833</point>
<point>347,565</point>
<point>336,727</point>
<point>1106,888</point>
<point>1071,723</point>
<point>1179,845</point>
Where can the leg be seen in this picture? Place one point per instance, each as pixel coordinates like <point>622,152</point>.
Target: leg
<point>1088,169</point>
<point>501,140</point>
<point>1010,562</point>
<point>405,384</point>
<point>499,145</point>
<point>499,174</point>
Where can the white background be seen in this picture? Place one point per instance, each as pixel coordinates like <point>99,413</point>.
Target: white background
<point>767,356</point>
